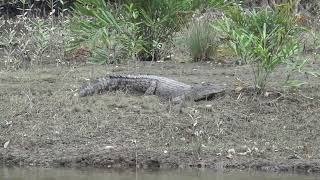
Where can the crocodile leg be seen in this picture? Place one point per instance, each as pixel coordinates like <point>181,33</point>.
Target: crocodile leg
<point>178,99</point>
<point>152,89</point>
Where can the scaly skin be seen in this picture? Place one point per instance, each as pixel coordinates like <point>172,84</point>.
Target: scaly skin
<point>150,85</point>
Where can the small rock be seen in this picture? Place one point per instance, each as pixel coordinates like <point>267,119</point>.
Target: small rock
<point>195,124</point>
<point>266,94</point>
<point>229,156</point>
<point>231,151</point>
<point>274,148</point>
<point>8,123</point>
<point>208,105</point>
<point>255,149</point>
<point>243,153</point>
<point>108,147</point>
<point>6,144</point>
<point>243,149</point>
<point>135,109</point>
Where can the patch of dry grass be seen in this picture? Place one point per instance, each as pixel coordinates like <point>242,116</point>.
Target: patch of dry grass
<point>46,121</point>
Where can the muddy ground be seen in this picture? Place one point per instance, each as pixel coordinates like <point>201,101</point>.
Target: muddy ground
<point>44,123</point>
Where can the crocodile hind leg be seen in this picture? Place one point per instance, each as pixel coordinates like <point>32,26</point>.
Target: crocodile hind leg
<point>152,89</point>
<point>178,103</point>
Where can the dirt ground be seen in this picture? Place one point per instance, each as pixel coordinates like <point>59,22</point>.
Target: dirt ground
<point>44,123</point>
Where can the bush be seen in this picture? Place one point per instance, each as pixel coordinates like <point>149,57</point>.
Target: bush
<point>133,28</point>
<point>13,44</point>
<point>264,37</point>
<point>26,41</point>
<point>104,30</point>
<point>159,19</point>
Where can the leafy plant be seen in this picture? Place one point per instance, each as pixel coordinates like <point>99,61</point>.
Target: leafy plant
<point>159,20</point>
<point>137,28</point>
<point>298,67</point>
<point>103,29</point>
<point>41,31</point>
<point>264,37</point>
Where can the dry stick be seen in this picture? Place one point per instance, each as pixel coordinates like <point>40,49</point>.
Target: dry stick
<point>136,155</point>
<point>305,96</point>
<point>136,170</point>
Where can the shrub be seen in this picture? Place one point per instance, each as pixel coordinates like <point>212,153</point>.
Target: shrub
<point>103,30</point>
<point>25,41</point>
<point>134,28</point>
<point>264,37</point>
<point>13,44</point>
<point>158,20</point>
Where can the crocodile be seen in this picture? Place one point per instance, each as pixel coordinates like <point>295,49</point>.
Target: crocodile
<point>151,85</point>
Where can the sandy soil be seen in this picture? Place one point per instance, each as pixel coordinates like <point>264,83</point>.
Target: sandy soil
<point>44,123</point>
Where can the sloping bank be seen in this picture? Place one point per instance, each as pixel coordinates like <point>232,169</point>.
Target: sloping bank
<point>44,123</point>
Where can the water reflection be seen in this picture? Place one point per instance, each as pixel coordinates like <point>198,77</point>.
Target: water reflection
<point>99,174</point>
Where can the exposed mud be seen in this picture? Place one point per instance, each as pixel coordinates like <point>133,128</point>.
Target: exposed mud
<point>44,123</point>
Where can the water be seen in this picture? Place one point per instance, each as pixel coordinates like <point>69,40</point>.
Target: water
<point>73,174</point>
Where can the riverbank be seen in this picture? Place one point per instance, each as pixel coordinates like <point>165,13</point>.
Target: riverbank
<point>43,122</point>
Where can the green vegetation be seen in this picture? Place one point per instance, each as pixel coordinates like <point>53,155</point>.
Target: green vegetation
<point>202,41</point>
<point>264,38</point>
<point>26,41</point>
<point>132,29</point>
<point>42,67</point>
<point>104,32</point>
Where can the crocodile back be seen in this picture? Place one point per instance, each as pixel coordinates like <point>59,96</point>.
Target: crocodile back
<point>167,88</point>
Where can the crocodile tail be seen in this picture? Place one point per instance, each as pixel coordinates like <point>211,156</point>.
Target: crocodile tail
<point>96,86</point>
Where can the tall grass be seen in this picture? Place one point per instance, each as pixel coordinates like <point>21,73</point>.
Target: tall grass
<point>201,40</point>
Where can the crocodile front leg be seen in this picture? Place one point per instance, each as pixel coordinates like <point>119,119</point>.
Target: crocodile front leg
<point>178,99</point>
<point>152,89</point>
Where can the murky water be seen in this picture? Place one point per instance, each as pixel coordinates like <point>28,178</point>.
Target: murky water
<point>73,174</point>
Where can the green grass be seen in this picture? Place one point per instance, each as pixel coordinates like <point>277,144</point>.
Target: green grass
<point>202,40</point>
